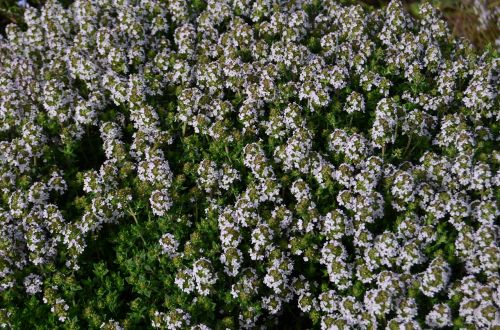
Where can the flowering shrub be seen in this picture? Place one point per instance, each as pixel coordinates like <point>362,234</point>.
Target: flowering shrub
<point>242,164</point>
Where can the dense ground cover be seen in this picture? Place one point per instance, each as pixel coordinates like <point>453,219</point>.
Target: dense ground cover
<point>243,164</point>
<point>475,20</point>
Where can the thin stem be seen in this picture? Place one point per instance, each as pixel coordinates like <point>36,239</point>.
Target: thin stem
<point>408,144</point>
<point>132,213</point>
<point>227,153</point>
<point>411,151</point>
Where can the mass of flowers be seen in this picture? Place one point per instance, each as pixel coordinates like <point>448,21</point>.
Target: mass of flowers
<point>247,164</point>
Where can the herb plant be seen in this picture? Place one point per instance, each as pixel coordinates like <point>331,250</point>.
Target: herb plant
<point>246,164</point>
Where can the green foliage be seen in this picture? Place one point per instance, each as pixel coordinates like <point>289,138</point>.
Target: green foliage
<point>111,264</point>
